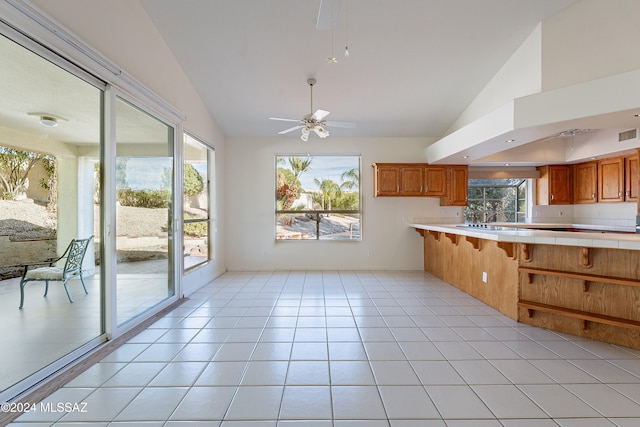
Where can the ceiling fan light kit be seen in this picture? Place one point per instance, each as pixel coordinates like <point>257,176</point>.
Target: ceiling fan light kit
<point>314,121</point>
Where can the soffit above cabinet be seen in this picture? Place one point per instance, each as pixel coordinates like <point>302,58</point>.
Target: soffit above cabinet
<point>569,124</point>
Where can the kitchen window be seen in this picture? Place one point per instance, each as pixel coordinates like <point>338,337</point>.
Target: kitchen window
<point>496,200</point>
<point>318,197</point>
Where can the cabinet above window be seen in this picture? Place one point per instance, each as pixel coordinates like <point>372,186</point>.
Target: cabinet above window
<point>449,182</point>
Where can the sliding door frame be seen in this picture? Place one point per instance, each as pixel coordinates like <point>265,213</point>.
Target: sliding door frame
<point>25,24</point>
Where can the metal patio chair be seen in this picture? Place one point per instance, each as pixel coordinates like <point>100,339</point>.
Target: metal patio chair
<point>74,255</point>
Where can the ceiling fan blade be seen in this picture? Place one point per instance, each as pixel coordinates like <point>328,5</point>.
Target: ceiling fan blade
<point>349,125</point>
<point>290,129</point>
<point>319,115</point>
<point>284,120</point>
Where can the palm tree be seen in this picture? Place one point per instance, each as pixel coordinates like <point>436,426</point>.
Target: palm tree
<point>330,191</point>
<point>350,179</point>
<point>299,166</point>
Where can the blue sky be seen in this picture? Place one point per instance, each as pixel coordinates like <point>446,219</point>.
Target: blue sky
<point>325,167</point>
<point>148,173</point>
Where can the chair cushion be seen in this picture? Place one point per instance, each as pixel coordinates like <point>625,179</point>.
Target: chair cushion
<point>44,273</point>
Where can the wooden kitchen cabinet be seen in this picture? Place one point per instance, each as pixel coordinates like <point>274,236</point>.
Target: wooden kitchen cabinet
<point>398,179</point>
<point>386,180</point>
<point>631,178</point>
<point>611,180</point>
<point>421,179</point>
<point>555,185</point>
<point>585,183</point>
<point>412,180</point>
<point>436,180</point>
<point>457,186</point>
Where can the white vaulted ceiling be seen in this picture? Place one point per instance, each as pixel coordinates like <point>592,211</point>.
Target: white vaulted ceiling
<point>414,65</point>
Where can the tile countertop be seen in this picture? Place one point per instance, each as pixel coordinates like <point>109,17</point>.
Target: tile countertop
<point>594,236</point>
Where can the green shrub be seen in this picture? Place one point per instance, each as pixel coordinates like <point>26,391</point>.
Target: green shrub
<point>144,198</point>
<point>193,183</point>
<point>196,229</point>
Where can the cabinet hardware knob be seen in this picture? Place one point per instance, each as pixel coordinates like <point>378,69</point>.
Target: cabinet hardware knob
<point>552,197</point>
<point>593,195</point>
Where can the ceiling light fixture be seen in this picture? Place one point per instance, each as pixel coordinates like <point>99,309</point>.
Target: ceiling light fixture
<point>509,141</point>
<point>346,28</point>
<point>305,134</point>
<point>48,120</point>
<point>571,132</point>
<point>332,59</point>
<point>314,121</point>
<point>321,132</point>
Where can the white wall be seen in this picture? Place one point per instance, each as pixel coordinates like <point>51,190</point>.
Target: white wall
<point>387,241</point>
<point>590,40</point>
<point>521,75</point>
<point>610,214</point>
<point>122,31</point>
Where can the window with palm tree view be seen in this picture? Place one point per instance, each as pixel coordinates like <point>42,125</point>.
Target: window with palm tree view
<point>318,197</point>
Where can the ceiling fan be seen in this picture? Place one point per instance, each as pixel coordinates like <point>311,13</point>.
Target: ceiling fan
<point>566,133</point>
<point>314,121</point>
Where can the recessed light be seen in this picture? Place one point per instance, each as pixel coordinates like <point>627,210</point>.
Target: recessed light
<point>509,141</point>
<point>465,157</point>
<point>507,164</point>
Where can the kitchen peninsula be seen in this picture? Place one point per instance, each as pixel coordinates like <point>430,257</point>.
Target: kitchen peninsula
<point>578,279</point>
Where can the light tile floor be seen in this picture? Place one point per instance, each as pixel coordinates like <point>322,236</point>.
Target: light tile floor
<point>47,329</point>
<point>348,349</point>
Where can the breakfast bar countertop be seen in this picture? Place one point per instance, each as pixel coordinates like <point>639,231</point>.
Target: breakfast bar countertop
<point>595,236</point>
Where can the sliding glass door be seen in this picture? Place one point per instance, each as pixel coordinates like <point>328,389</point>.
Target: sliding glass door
<point>144,211</point>
<point>79,165</point>
<point>50,195</point>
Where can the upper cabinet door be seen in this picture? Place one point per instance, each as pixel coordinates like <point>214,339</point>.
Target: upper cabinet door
<point>555,185</point>
<point>585,183</point>
<point>611,180</point>
<point>386,180</point>
<point>560,185</point>
<point>436,181</point>
<point>631,179</point>
<point>457,186</point>
<point>412,180</point>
